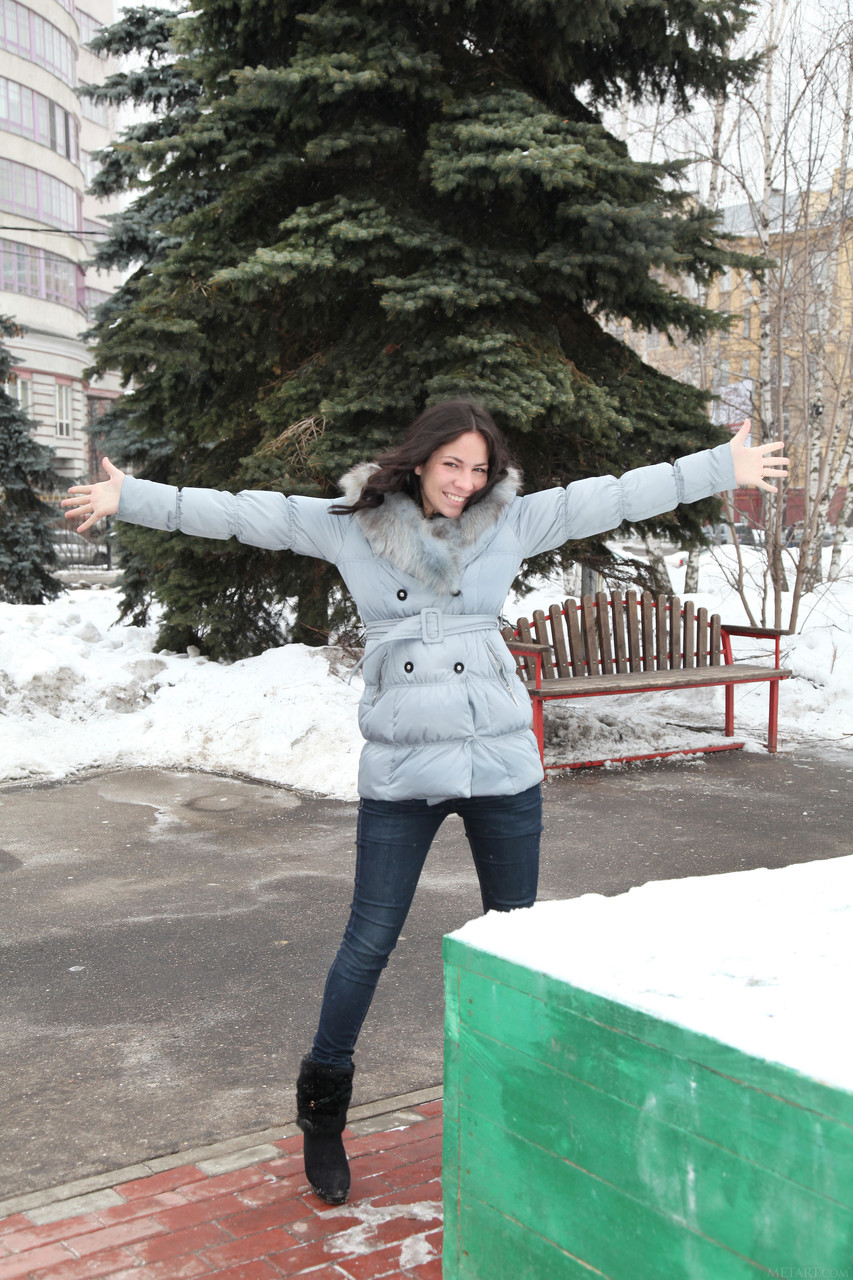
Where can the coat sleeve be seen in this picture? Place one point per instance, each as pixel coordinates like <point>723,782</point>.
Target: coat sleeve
<point>255,516</point>
<point>586,507</point>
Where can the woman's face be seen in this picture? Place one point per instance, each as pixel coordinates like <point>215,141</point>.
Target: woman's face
<point>453,473</point>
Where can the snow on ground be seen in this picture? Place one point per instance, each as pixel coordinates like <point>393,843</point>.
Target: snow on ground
<point>770,983</point>
<point>80,690</point>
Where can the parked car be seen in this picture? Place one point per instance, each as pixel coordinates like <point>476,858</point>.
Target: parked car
<point>73,550</point>
<point>794,536</point>
<point>746,534</point>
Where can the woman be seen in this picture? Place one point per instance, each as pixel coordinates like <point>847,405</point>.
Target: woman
<point>428,540</point>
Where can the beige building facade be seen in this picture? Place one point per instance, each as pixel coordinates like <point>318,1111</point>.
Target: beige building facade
<point>787,354</point>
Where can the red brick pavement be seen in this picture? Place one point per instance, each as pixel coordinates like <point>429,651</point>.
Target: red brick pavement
<point>258,1223</point>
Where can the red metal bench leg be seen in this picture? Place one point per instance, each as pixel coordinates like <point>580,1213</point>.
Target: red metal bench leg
<point>773,726</point>
<point>730,711</point>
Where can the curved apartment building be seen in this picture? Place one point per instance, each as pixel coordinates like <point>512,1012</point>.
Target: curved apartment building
<point>47,223</point>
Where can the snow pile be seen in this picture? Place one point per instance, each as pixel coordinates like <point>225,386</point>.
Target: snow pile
<point>737,957</point>
<point>80,690</point>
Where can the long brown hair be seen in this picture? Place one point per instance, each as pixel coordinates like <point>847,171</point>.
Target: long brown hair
<point>435,427</point>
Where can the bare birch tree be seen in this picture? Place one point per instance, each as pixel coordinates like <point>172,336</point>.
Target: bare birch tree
<point>775,159</point>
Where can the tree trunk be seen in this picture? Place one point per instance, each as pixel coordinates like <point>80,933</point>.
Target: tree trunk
<point>659,568</point>
<point>843,517</point>
<point>691,573</point>
<point>768,358</point>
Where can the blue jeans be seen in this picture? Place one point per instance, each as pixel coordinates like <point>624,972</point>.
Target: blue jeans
<point>393,840</point>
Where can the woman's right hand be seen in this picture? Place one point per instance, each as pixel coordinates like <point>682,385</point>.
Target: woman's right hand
<point>95,500</point>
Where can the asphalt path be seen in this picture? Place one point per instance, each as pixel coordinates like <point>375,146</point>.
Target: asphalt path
<point>164,937</point>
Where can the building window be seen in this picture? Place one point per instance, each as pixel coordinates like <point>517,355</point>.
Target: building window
<point>39,273</point>
<point>652,340</point>
<point>32,115</point>
<point>94,298</point>
<point>63,409</point>
<point>819,266</point>
<point>88,27</point>
<point>94,234</point>
<point>722,373</point>
<point>60,279</point>
<point>96,112</point>
<point>21,390</point>
<point>31,36</point>
<point>89,166</point>
<point>33,194</point>
<point>19,268</point>
<point>747,320</point>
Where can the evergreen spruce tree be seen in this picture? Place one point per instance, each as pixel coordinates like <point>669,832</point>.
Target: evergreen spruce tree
<point>26,552</point>
<point>348,211</point>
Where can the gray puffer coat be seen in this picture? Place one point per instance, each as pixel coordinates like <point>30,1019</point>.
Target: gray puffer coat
<point>443,712</point>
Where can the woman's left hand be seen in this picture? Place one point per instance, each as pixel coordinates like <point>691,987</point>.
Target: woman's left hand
<point>753,466</point>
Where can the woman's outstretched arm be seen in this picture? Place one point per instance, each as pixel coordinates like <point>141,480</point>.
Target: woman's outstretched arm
<point>257,517</point>
<point>598,504</point>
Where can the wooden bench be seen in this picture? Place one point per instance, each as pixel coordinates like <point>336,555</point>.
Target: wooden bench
<point>617,645</point>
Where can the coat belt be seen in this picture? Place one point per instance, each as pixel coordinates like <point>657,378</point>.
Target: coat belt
<point>430,625</point>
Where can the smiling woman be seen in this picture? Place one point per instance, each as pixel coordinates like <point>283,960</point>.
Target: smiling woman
<point>428,539</point>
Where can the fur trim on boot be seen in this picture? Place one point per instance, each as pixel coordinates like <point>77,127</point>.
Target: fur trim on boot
<point>322,1097</point>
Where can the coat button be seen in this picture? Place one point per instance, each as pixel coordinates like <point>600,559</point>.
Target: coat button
<point>458,667</point>
<point>402,594</point>
<point>408,667</point>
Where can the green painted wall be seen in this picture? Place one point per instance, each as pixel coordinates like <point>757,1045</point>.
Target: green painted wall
<point>584,1138</point>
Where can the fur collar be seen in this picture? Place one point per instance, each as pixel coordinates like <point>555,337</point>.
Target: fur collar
<point>432,551</point>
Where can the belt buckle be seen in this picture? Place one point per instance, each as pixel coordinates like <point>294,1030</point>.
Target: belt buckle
<point>432,630</point>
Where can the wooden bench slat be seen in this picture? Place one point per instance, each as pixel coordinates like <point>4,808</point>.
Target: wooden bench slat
<point>558,639</point>
<point>675,633</point>
<point>590,639</point>
<point>632,627</point>
<point>688,647</point>
<point>662,633</point>
<point>575,641</point>
<point>620,648</point>
<point>528,662</point>
<point>716,644</point>
<point>540,631</point>
<point>603,623</point>
<point>702,637</point>
<point>647,632</point>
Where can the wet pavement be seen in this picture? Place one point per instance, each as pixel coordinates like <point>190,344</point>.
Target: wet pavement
<point>164,938</point>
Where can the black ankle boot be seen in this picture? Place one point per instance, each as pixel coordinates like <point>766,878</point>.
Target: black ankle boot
<point>322,1096</point>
